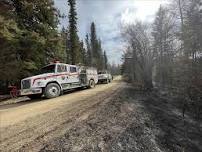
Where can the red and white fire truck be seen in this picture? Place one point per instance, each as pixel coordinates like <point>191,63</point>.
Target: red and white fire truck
<point>56,78</point>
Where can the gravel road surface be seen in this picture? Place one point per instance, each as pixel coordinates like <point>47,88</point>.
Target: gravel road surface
<point>112,117</point>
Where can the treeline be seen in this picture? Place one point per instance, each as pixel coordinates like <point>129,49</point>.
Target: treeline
<point>30,39</point>
<point>168,52</point>
<point>95,55</point>
<point>115,69</point>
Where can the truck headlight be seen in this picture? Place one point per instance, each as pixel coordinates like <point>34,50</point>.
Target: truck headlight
<point>39,83</point>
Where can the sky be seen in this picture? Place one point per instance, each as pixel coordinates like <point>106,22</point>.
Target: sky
<point>109,16</point>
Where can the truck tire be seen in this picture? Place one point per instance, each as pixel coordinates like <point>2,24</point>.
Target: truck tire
<point>52,90</point>
<point>107,81</point>
<point>34,96</point>
<point>91,84</point>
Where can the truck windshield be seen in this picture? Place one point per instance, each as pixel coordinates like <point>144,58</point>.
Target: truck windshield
<point>102,72</point>
<point>48,69</point>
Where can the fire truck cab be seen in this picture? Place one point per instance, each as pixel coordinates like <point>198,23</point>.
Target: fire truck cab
<point>55,78</point>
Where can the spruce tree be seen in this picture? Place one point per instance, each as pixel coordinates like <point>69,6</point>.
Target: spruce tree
<point>94,44</point>
<point>9,65</point>
<point>105,61</point>
<point>73,37</point>
<point>96,48</point>
<point>38,20</point>
<point>83,54</point>
<point>100,55</point>
<point>89,51</point>
<point>28,36</point>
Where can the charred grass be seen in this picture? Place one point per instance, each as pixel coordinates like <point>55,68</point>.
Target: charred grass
<point>132,121</point>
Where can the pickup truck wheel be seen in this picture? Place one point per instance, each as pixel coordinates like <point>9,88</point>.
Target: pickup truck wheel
<point>34,96</point>
<point>107,81</point>
<point>91,84</point>
<point>52,90</point>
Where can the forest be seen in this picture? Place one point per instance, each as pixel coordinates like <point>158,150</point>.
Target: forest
<point>30,39</point>
<point>167,54</point>
<point>153,102</point>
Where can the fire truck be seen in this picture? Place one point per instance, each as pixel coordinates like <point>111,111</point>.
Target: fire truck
<point>56,78</point>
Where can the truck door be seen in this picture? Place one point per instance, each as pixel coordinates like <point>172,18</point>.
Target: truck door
<point>73,74</point>
<point>62,75</point>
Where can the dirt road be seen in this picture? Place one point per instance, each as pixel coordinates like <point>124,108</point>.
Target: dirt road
<point>32,123</point>
<point>112,117</point>
<point>11,114</point>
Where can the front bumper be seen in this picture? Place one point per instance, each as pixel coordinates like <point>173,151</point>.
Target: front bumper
<point>102,80</point>
<point>24,92</point>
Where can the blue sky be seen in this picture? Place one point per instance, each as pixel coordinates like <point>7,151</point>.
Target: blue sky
<point>109,16</point>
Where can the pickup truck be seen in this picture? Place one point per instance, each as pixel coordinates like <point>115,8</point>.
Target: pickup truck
<point>104,77</point>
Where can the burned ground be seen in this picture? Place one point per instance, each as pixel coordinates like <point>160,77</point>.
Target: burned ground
<point>114,117</point>
<point>132,121</point>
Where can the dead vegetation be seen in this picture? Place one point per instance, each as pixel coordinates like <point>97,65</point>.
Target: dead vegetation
<point>132,121</point>
<point>122,118</point>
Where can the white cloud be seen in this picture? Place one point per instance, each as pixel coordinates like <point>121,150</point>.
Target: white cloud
<point>143,10</point>
<point>108,15</point>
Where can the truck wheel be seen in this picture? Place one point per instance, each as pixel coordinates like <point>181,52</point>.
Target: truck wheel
<point>52,90</point>
<point>91,84</point>
<point>34,96</point>
<point>107,81</point>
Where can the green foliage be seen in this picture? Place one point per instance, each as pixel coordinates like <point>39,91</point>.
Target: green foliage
<point>75,54</point>
<point>94,49</point>
<point>83,54</point>
<point>89,51</point>
<point>94,41</point>
<point>29,37</point>
<point>36,15</point>
<point>8,55</point>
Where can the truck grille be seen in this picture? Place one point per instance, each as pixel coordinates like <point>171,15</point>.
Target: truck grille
<point>26,84</point>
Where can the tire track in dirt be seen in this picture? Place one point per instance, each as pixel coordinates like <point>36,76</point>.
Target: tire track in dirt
<point>60,130</point>
<point>104,129</point>
<point>40,129</point>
